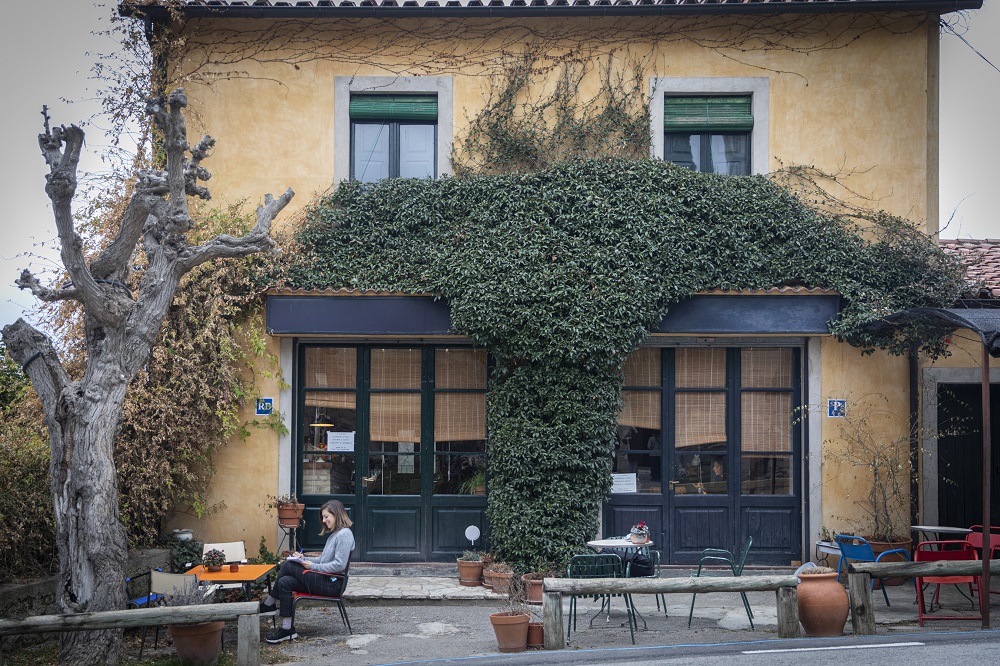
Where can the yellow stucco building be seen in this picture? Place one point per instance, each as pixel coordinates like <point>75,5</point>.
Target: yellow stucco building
<point>385,405</point>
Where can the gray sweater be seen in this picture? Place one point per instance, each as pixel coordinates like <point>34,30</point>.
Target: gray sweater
<point>335,553</point>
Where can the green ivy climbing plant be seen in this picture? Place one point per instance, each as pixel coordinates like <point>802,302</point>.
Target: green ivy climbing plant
<point>560,273</point>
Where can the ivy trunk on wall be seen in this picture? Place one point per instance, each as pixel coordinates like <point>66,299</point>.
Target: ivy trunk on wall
<point>83,415</point>
<point>562,272</point>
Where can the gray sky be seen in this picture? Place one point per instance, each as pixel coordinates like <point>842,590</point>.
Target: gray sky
<point>46,48</point>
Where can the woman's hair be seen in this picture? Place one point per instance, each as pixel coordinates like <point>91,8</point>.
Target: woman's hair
<point>340,517</point>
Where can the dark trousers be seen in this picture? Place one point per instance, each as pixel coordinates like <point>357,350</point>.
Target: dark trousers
<point>293,577</point>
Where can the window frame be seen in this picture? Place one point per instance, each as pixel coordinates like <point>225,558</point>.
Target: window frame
<point>345,86</point>
<point>394,142</point>
<point>757,88</point>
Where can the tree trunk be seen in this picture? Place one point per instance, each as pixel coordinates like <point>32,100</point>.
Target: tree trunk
<point>90,538</point>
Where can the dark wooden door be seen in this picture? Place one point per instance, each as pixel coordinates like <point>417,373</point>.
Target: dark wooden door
<point>960,454</point>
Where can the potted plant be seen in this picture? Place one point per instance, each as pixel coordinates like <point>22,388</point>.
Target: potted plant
<point>639,532</point>
<point>874,445</point>
<point>487,559</point>
<point>289,509</point>
<point>823,603</point>
<point>536,630</point>
<point>511,624</point>
<point>475,484</point>
<point>214,559</point>
<point>470,569</point>
<point>532,582</point>
<point>502,573</point>
<point>197,644</point>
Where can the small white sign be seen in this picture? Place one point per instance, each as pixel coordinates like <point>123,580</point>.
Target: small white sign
<point>624,483</point>
<point>340,441</point>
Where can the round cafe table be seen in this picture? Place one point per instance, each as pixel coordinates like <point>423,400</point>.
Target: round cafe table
<point>620,543</point>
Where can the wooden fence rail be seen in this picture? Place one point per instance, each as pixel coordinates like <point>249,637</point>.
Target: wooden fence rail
<point>248,624</point>
<point>553,590</point>
<point>860,574</point>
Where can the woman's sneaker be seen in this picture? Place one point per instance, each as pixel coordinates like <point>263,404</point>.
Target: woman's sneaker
<point>281,635</point>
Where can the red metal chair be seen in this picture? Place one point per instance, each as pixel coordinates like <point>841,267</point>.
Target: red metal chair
<point>935,551</point>
<point>975,539</point>
<point>339,599</point>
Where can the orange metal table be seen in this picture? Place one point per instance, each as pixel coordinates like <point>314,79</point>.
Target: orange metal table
<point>246,575</point>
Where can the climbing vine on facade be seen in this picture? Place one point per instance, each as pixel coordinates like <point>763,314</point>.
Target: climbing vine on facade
<point>562,272</point>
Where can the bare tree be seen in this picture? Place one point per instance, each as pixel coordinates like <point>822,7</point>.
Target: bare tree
<point>83,416</point>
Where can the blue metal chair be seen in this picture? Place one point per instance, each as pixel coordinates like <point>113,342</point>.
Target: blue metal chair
<point>859,550</point>
<point>603,565</point>
<point>720,556</point>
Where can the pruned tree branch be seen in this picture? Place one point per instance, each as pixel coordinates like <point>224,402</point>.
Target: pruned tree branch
<point>257,240</point>
<point>34,351</point>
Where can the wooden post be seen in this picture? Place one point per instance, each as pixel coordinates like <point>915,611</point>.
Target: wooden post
<point>788,612</point>
<point>862,617</point>
<point>552,620</point>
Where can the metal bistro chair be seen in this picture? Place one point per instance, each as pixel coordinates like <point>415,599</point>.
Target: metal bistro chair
<point>160,586</point>
<point>858,549</point>
<point>654,556</point>
<point>338,599</point>
<point>935,551</point>
<point>975,539</point>
<point>603,565</point>
<point>235,551</point>
<point>720,556</point>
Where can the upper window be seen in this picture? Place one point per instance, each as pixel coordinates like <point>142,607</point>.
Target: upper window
<point>710,134</point>
<point>393,136</point>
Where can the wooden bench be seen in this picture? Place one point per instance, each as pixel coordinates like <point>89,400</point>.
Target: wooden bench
<point>553,590</point>
<point>248,627</point>
<point>859,576</point>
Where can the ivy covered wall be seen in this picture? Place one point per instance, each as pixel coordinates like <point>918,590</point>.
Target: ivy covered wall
<point>562,272</point>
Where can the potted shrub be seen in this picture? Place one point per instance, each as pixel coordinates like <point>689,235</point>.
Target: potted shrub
<point>532,582</point>
<point>214,559</point>
<point>823,603</point>
<point>289,509</point>
<point>487,559</point>
<point>470,569</point>
<point>511,624</point>
<point>502,573</point>
<point>475,484</point>
<point>197,644</point>
<point>874,444</point>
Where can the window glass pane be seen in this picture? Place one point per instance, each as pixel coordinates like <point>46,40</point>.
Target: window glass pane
<point>370,158</point>
<point>460,368</point>
<point>328,474</point>
<point>683,149</point>
<point>395,473</point>
<point>459,416</point>
<point>701,474</point>
<point>639,452</point>
<point>416,151</point>
<point>766,421</point>
<point>730,154</point>
<point>395,369</point>
<point>460,474</point>
<point>700,421</point>
<point>333,367</point>
<point>395,417</point>
<point>640,409</point>
<point>766,368</point>
<point>642,368</point>
<point>327,412</point>
<point>700,368</point>
<point>766,475</point>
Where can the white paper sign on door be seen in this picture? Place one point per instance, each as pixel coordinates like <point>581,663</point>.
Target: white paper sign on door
<point>340,441</point>
<point>624,483</point>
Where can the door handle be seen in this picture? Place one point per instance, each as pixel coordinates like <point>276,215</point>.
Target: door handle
<point>672,484</point>
<point>365,480</point>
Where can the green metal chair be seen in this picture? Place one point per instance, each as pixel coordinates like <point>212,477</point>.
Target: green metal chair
<point>598,566</point>
<point>720,556</point>
<point>654,555</point>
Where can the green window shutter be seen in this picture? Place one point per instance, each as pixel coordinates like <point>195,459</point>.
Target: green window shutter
<point>707,114</point>
<point>394,107</point>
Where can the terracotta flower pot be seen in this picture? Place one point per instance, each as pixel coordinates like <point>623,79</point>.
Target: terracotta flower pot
<point>879,547</point>
<point>638,538</point>
<point>213,567</point>
<point>197,644</point>
<point>511,631</point>
<point>289,515</point>
<point>501,582</point>
<point>487,578</point>
<point>533,589</point>
<point>536,635</point>
<point>823,604</point>
<point>470,574</point>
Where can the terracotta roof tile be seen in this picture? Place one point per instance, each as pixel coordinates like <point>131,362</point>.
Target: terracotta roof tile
<point>982,260</point>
